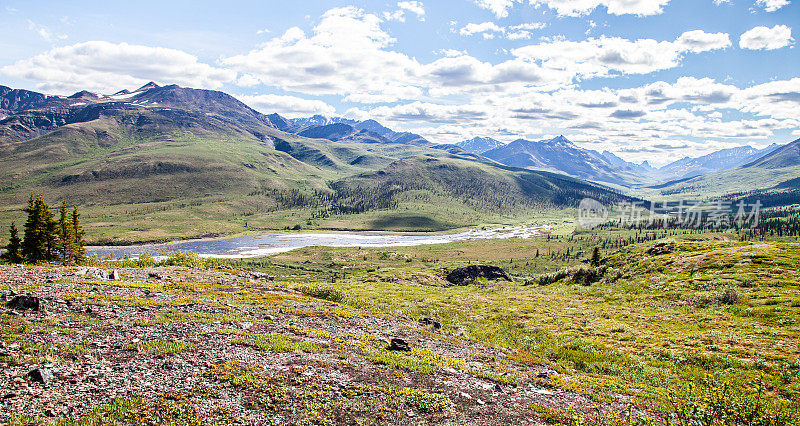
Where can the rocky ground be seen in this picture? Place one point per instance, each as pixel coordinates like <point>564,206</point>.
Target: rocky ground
<point>191,346</point>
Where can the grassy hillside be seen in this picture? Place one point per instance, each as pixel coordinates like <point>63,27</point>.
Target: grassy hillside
<point>772,172</point>
<point>709,312</point>
<point>702,331</point>
<point>177,163</point>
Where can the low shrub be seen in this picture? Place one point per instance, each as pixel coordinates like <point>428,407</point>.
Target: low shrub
<point>321,292</point>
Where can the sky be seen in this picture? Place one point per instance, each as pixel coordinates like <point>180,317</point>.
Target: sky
<point>652,80</point>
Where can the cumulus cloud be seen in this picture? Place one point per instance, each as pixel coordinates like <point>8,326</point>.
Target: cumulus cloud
<point>772,5</point>
<point>498,7</point>
<point>107,67</point>
<point>582,7</point>
<point>288,106</point>
<point>609,55</point>
<point>346,53</point>
<point>700,41</point>
<point>415,7</point>
<point>614,7</point>
<point>765,38</point>
<point>484,28</point>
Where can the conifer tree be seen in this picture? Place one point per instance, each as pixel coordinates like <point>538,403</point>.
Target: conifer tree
<point>34,244</point>
<point>66,243</point>
<point>78,250</point>
<point>13,252</point>
<point>596,257</point>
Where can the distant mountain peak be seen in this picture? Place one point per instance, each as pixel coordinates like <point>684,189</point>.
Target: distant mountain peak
<point>479,145</point>
<point>84,94</point>
<point>148,86</point>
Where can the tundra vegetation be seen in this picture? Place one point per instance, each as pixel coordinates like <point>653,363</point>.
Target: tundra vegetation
<point>613,326</point>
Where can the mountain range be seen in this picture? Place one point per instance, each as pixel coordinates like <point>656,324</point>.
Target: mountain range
<point>562,156</point>
<point>161,162</point>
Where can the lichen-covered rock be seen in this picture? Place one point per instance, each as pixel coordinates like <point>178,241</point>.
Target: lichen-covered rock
<point>24,302</point>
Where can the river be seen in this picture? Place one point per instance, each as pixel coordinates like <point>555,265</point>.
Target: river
<point>272,243</point>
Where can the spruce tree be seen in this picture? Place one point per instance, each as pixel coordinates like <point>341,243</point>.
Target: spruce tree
<point>50,232</point>
<point>596,257</point>
<point>65,234</point>
<point>78,251</point>
<point>13,252</point>
<point>39,242</point>
<point>33,244</point>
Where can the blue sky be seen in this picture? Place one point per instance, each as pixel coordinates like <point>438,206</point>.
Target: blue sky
<point>648,79</point>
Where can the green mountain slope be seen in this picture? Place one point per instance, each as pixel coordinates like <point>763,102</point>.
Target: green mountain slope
<point>774,172</point>
<point>169,162</point>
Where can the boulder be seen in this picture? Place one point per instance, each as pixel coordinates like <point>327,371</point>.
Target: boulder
<point>465,275</point>
<point>430,321</point>
<point>24,302</point>
<point>115,275</point>
<point>261,275</point>
<point>40,375</point>
<point>662,248</point>
<point>398,344</point>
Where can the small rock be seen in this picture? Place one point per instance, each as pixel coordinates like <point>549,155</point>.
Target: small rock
<point>543,375</point>
<point>430,321</point>
<point>25,302</point>
<point>497,388</point>
<point>465,395</point>
<point>93,272</point>
<point>261,275</point>
<point>398,344</point>
<point>480,401</point>
<point>115,275</point>
<point>40,375</point>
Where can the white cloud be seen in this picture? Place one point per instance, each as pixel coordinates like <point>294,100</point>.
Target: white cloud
<point>288,106</point>
<point>766,38</point>
<point>699,41</point>
<point>45,33</point>
<point>719,2</point>
<point>583,7</point>
<point>347,53</point>
<point>107,67</point>
<point>263,31</point>
<point>498,7</point>
<point>398,15</point>
<point>485,27</point>
<point>614,7</point>
<point>490,29</point>
<point>415,7</point>
<point>772,5</point>
<point>612,55</point>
